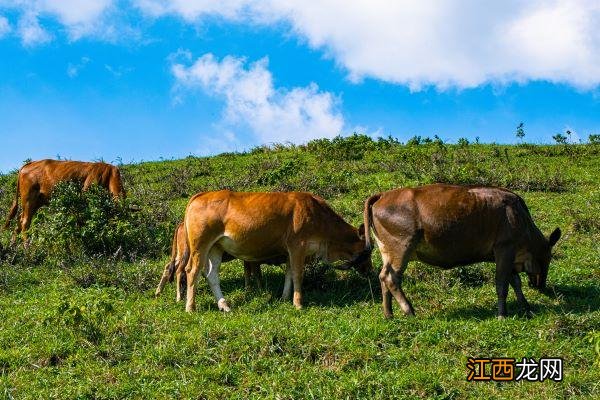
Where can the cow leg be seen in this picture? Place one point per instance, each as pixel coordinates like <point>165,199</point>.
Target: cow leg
<point>297,259</point>
<point>163,280</point>
<point>287,285</point>
<point>25,222</point>
<point>391,277</point>
<point>515,282</point>
<point>212,275</point>
<point>115,187</point>
<point>505,259</point>
<point>180,279</point>
<point>247,274</point>
<point>393,281</point>
<point>34,200</point>
<point>252,272</point>
<point>198,259</point>
<point>89,181</point>
<point>16,232</point>
<point>257,273</point>
<point>385,292</point>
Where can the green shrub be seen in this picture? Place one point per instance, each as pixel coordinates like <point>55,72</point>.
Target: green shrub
<point>89,224</point>
<point>463,142</point>
<point>8,186</point>
<point>414,141</point>
<point>85,318</point>
<point>594,339</point>
<point>280,173</point>
<point>340,148</point>
<point>327,183</point>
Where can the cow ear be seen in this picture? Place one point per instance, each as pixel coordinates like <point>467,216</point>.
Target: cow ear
<point>361,231</point>
<point>554,236</point>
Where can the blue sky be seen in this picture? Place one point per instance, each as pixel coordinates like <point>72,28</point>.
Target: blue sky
<point>144,79</point>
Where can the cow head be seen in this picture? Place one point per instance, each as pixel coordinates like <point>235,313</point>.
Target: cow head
<point>537,265</point>
<point>358,255</point>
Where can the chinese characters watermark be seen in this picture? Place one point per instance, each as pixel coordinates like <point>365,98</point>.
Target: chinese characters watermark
<point>509,369</point>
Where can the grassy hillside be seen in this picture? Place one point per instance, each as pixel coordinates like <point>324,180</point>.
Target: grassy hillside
<point>75,325</point>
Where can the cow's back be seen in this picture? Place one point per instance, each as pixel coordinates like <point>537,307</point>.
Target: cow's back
<point>256,226</point>
<point>47,173</point>
<point>456,225</point>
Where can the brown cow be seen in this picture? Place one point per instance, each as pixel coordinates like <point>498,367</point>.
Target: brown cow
<point>180,255</point>
<point>37,179</point>
<point>259,226</point>
<point>448,226</point>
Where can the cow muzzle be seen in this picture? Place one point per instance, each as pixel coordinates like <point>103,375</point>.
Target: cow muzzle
<point>536,282</point>
<point>361,263</point>
<point>342,266</point>
<point>347,266</point>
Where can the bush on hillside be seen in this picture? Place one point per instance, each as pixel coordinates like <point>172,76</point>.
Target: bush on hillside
<point>91,224</point>
<point>340,148</point>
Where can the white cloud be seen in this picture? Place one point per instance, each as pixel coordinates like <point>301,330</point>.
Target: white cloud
<point>417,43</point>
<point>75,12</point>
<point>31,32</point>
<point>454,43</point>
<point>251,100</point>
<point>193,9</point>
<point>4,26</point>
<point>117,71</point>
<point>80,18</point>
<point>73,69</point>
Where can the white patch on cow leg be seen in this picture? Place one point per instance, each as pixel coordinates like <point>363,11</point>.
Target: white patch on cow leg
<point>191,278</point>
<point>214,263</point>
<point>287,285</point>
<point>393,275</point>
<point>297,275</point>
<point>297,259</point>
<point>386,295</point>
<point>178,276</point>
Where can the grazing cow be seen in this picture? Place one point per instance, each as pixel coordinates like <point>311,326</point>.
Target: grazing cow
<point>37,179</point>
<point>259,226</point>
<point>180,255</point>
<point>448,226</point>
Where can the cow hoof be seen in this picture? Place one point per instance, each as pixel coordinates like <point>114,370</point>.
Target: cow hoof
<point>298,306</point>
<point>223,306</point>
<point>388,316</point>
<point>501,317</point>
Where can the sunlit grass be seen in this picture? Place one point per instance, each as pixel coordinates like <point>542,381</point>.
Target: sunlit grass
<point>94,329</point>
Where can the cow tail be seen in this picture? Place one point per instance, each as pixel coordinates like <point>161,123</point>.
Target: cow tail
<point>15,204</point>
<point>368,220</point>
<point>186,255</point>
<point>173,256</point>
<point>185,258</point>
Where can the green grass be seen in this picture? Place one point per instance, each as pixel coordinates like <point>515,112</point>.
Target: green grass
<point>92,329</point>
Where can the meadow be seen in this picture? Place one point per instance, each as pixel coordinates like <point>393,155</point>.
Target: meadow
<point>78,317</point>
